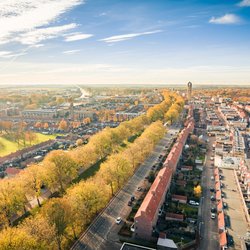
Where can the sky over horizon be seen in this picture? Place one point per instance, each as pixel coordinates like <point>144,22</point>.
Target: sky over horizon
<point>124,42</point>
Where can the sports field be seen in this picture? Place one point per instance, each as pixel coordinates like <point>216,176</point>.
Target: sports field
<point>8,146</point>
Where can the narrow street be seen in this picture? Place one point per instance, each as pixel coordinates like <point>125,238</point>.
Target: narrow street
<point>208,227</point>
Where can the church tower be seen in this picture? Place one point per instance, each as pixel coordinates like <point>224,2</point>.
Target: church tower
<point>189,90</point>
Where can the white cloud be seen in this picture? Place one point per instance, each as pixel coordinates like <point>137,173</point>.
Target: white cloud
<point>38,35</point>
<point>103,14</point>
<point>226,19</point>
<point>18,17</point>
<point>124,37</point>
<point>4,53</point>
<point>71,52</point>
<point>244,3</point>
<point>77,36</point>
<point>39,45</point>
<point>9,54</point>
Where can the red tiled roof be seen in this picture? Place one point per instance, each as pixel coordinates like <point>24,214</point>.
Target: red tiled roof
<point>189,168</point>
<point>153,198</point>
<point>181,182</point>
<point>217,186</point>
<point>223,239</point>
<point>219,206</point>
<point>217,179</point>
<point>218,195</point>
<point>216,171</point>
<point>221,221</point>
<point>151,202</point>
<point>12,171</point>
<point>179,197</point>
<point>175,216</point>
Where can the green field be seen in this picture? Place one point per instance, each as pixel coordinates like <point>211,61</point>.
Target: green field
<point>8,146</point>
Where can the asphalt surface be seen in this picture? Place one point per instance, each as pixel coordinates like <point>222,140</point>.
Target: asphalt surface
<point>103,232</point>
<point>208,227</point>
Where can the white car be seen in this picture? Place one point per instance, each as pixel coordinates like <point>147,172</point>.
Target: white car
<point>191,202</point>
<point>160,212</point>
<point>194,203</point>
<point>118,220</point>
<point>213,215</point>
<point>132,228</point>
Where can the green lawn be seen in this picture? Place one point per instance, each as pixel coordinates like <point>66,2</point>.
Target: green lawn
<point>9,146</point>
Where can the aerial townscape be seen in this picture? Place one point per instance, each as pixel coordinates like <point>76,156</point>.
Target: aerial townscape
<point>124,125</point>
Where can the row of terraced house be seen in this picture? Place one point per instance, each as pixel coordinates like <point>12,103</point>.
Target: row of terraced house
<point>147,215</point>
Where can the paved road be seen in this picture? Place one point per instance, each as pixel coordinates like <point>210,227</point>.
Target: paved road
<point>208,226</point>
<point>102,233</point>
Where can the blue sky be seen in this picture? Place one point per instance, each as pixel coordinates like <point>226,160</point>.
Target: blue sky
<point>124,42</point>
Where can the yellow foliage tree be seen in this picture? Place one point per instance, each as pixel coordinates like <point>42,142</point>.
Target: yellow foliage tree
<point>197,191</point>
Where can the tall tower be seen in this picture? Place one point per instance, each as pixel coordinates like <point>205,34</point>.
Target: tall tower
<point>189,90</point>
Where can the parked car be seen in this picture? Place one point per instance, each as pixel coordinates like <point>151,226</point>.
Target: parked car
<point>230,240</point>
<point>213,215</point>
<point>213,209</point>
<point>224,205</point>
<point>118,220</point>
<point>132,198</point>
<point>139,189</point>
<point>212,190</point>
<point>130,203</point>
<point>194,203</point>
<point>160,212</point>
<point>132,228</point>
<point>212,198</point>
<point>191,202</point>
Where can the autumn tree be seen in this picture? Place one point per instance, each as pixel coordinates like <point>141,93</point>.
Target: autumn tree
<point>32,181</point>
<point>79,142</point>
<point>39,228</point>
<point>62,125</point>
<point>60,100</point>
<point>85,156</point>
<point>38,125</point>
<point>60,169</point>
<point>12,200</point>
<point>7,126</point>
<point>102,143</point>
<point>31,106</point>
<point>57,213</point>
<point>45,125</point>
<point>131,153</point>
<point>115,171</point>
<point>171,115</point>
<point>197,191</point>
<point>86,199</point>
<point>30,136</point>
<point>87,120</point>
<point>18,239</point>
